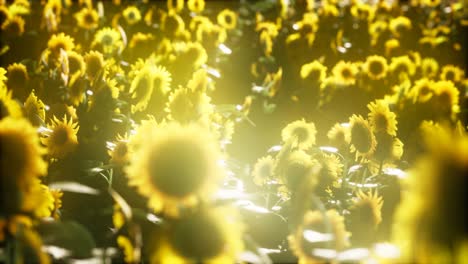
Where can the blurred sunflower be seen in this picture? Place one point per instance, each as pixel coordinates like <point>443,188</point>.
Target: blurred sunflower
<point>400,25</point>
<point>338,136</point>
<point>392,47</point>
<point>301,133</point>
<point>429,68</point>
<point>430,3</point>
<point>34,109</point>
<point>211,35</point>
<point>75,63</point>
<point>172,25</point>
<point>94,64</point>
<point>227,19</point>
<point>174,166</point>
<point>263,170</point>
<point>381,118</point>
<point>222,245</point>
<point>200,81</point>
<point>314,71</point>
<point>108,41</point>
<point>76,89</point>
<point>13,26</point>
<point>57,195</point>
<point>60,42</point>
<point>62,139</point>
<point>18,78</point>
<point>132,15</point>
<point>196,6</point>
<point>451,73</point>
<point>141,89</point>
<point>38,200</point>
<point>4,14</point>
<point>331,171</point>
<point>375,67</point>
<point>362,11</point>
<point>298,171</point>
<point>161,79</point>
<point>119,151</point>
<point>20,153</point>
<point>8,106</point>
<point>330,224</point>
<point>422,91</point>
<point>365,217</point>
<point>87,18</point>
<point>345,73</point>
<point>447,95</point>
<point>175,5</point>
<point>402,64</point>
<point>362,139</point>
<point>185,106</point>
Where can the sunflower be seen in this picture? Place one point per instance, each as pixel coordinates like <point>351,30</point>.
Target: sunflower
<point>430,3</point>
<point>422,91</point>
<point>161,79</point>
<point>321,230</point>
<point>345,73</point>
<point>338,136</point>
<point>447,95</point>
<point>429,68</point>
<point>8,106</point>
<point>428,225</point>
<point>76,89</point>
<point>314,71</point>
<point>175,7</point>
<point>402,64</point>
<point>222,245</point>
<point>392,47</point>
<point>399,25</point>
<point>20,154</point>
<point>376,67</point>
<point>108,41</point>
<point>200,81</point>
<point>211,34</point>
<point>362,11</point>
<point>38,200</point>
<point>172,24</point>
<point>174,165</point>
<point>94,64</point>
<point>331,170</point>
<point>75,63</point>
<point>381,118</point>
<point>13,26</point>
<point>141,41</point>
<point>141,89</point>
<point>362,139</point>
<point>266,43</point>
<point>62,140</point>
<point>34,109</point>
<point>365,216</point>
<point>18,78</point>
<point>196,21</point>
<point>297,170</point>
<point>57,195</point>
<point>60,42</point>
<point>263,170</point>
<point>87,18</point>
<point>452,73</point>
<point>185,106</point>
<point>301,133</point>
<point>119,151</point>
<point>227,19</point>
<point>196,6</point>
<point>132,15</point>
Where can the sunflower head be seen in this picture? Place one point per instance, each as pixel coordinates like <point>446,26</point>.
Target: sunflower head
<point>381,118</point>
<point>422,91</point>
<point>172,24</point>
<point>60,42</point>
<point>314,71</point>
<point>338,136</point>
<point>141,89</point>
<point>331,170</point>
<point>402,65</point>
<point>227,19</point>
<point>34,109</point>
<point>196,6</point>
<point>18,78</point>
<point>429,68</point>
<point>301,133</point>
<point>119,151</point>
<point>452,73</point>
<point>174,165</point>
<point>400,25</point>
<point>345,73</point>
<point>94,61</point>
<point>13,26</point>
<point>185,106</point>
<point>62,140</point>
<point>376,67</point>
<point>132,15</point>
<point>263,170</point>
<point>8,106</point>
<point>175,6</point>
<point>211,35</point>
<point>447,96</point>
<point>361,137</point>
<point>365,216</point>
<point>87,18</point>
<point>108,41</point>
<point>298,171</point>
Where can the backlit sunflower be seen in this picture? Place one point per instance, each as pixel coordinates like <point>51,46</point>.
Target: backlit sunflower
<point>8,106</point>
<point>452,73</point>
<point>301,133</point>
<point>38,199</point>
<point>62,139</point>
<point>141,89</point>
<point>345,73</point>
<point>330,172</point>
<point>18,78</point>
<point>196,6</point>
<point>200,81</point>
<point>174,166</point>
<point>381,118</point>
<point>422,91</point>
<point>375,67</point>
<point>119,151</point>
<point>13,26</point>
<point>108,41</point>
<point>20,154</point>
<point>362,139</point>
<point>161,79</point>
<point>60,42</point>
<point>227,19</point>
<point>314,71</point>
<point>175,5</point>
<point>172,24</point>
<point>34,109</point>
<point>429,68</point>
<point>447,95</point>
<point>338,136</point>
<point>263,170</point>
<point>87,18</point>
<point>94,64</point>
<point>297,170</point>
<point>402,64</point>
<point>132,15</point>
<point>75,63</point>
<point>399,25</point>
<point>76,89</point>
<point>318,230</point>
<point>365,216</point>
<point>185,106</point>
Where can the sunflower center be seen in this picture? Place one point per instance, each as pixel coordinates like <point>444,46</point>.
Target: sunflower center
<point>346,73</point>
<point>107,40</point>
<point>3,110</point>
<point>424,90</point>
<point>450,76</point>
<point>89,19</point>
<point>178,168</point>
<point>228,19</point>
<point>361,137</point>
<point>375,68</point>
<point>121,149</point>
<point>60,136</point>
<point>204,230</point>
<point>301,133</point>
<point>314,75</point>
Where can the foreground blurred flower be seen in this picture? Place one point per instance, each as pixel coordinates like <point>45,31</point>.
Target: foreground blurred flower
<point>300,133</point>
<point>174,165</point>
<point>62,139</point>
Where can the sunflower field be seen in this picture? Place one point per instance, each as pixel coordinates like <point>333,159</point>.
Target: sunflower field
<point>243,131</point>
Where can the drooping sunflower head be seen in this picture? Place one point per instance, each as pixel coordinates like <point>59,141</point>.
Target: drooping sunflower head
<point>318,230</point>
<point>422,91</point>
<point>132,15</point>
<point>94,64</point>
<point>452,73</point>
<point>376,67</point>
<point>429,68</point>
<point>87,18</point>
<point>62,140</point>
<point>60,42</point>
<point>338,136</point>
<point>361,137</point>
<point>314,71</point>
<point>8,106</point>
<point>400,25</point>
<point>185,106</point>
<point>34,109</point>
<point>196,6</point>
<point>75,63</point>
<point>174,166</point>
<point>108,41</point>
<point>13,26</point>
<point>345,73</point>
<point>141,89</point>
<point>263,170</point>
<point>381,118</point>
<point>172,24</point>
<point>227,19</point>
<point>20,153</point>
<point>301,133</point>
